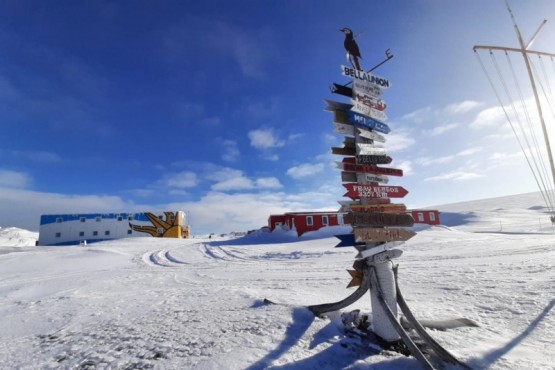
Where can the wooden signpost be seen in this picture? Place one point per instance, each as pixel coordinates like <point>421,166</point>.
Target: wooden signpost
<point>363,234</point>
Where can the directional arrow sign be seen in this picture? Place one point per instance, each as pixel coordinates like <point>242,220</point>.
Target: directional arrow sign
<point>369,177</point>
<point>368,111</point>
<point>369,101</point>
<point>371,135</point>
<point>364,87</point>
<point>347,240</point>
<point>365,76</point>
<point>343,151</point>
<point>341,116</point>
<point>348,176</point>
<point>379,219</point>
<point>385,208</point>
<point>344,129</point>
<point>369,149</point>
<point>373,159</point>
<point>370,169</point>
<point>341,90</point>
<point>335,105</point>
<point>372,191</point>
<point>369,234</point>
<point>368,122</point>
<point>383,256</point>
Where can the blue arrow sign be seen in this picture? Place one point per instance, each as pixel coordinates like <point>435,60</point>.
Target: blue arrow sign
<point>367,122</point>
<point>347,240</point>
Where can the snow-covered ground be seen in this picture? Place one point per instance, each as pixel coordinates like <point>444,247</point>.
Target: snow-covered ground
<point>197,303</point>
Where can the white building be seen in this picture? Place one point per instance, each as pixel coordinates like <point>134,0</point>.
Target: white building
<point>75,229</point>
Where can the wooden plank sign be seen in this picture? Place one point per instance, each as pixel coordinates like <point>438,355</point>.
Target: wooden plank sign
<point>349,167</point>
<point>341,90</point>
<point>374,191</point>
<point>367,122</point>
<point>379,219</point>
<point>384,208</point>
<point>348,176</point>
<point>343,151</point>
<point>332,106</point>
<point>341,116</point>
<point>369,234</point>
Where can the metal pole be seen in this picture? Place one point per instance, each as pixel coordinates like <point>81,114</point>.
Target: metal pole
<point>536,97</point>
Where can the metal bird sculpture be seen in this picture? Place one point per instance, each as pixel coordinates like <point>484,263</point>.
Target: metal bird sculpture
<point>353,53</point>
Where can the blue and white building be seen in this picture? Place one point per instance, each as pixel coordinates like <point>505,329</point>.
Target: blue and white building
<point>77,229</point>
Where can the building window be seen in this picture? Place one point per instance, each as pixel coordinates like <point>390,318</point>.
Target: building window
<point>432,216</point>
<point>420,217</point>
<point>107,232</point>
<point>130,218</point>
<point>129,232</point>
<point>340,219</point>
<point>59,220</point>
<point>309,221</point>
<point>82,219</point>
<point>325,221</point>
<point>81,233</point>
<point>119,218</point>
<point>95,233</point>
<point>98,219</point>
<point>58,235</point>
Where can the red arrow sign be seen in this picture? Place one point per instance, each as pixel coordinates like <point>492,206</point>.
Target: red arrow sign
<point>374,191</point>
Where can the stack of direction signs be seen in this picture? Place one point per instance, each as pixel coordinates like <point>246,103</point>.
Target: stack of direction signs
<point>378,224</point>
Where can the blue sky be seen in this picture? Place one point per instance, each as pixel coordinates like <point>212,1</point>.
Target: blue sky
<point>216,108</point>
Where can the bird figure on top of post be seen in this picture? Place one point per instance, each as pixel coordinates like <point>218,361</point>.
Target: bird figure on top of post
<point>353,53</point>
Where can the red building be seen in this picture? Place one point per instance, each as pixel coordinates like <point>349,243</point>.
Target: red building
<point>306,221</point>
<point>311,221</point>
<point>425,216</point>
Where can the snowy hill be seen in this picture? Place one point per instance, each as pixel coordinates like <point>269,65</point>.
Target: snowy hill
<point>197,303</point>
<point>14,237</point>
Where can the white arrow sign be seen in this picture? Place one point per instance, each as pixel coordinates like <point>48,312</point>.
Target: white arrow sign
<point>365,110</point>
<point>343,129</point>
<point>370,149</point>
<point>365,87</point>
<point>371,135</point>
<point>363,178</point>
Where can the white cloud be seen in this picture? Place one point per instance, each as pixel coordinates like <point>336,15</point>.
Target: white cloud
<point>493,116</point>
<point>264,139</point>
<point>455,176</point>
<point>181,180</point>
<point>305,170</point>
<point>437,160</point>
<point>438,130</point>
<point>13,179</point>
<point>470,151</point>
<point>461,107</point>
<point>235,183</point>
<point>230,151</point>
<point>268,183</point>
<point>398,141</point>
